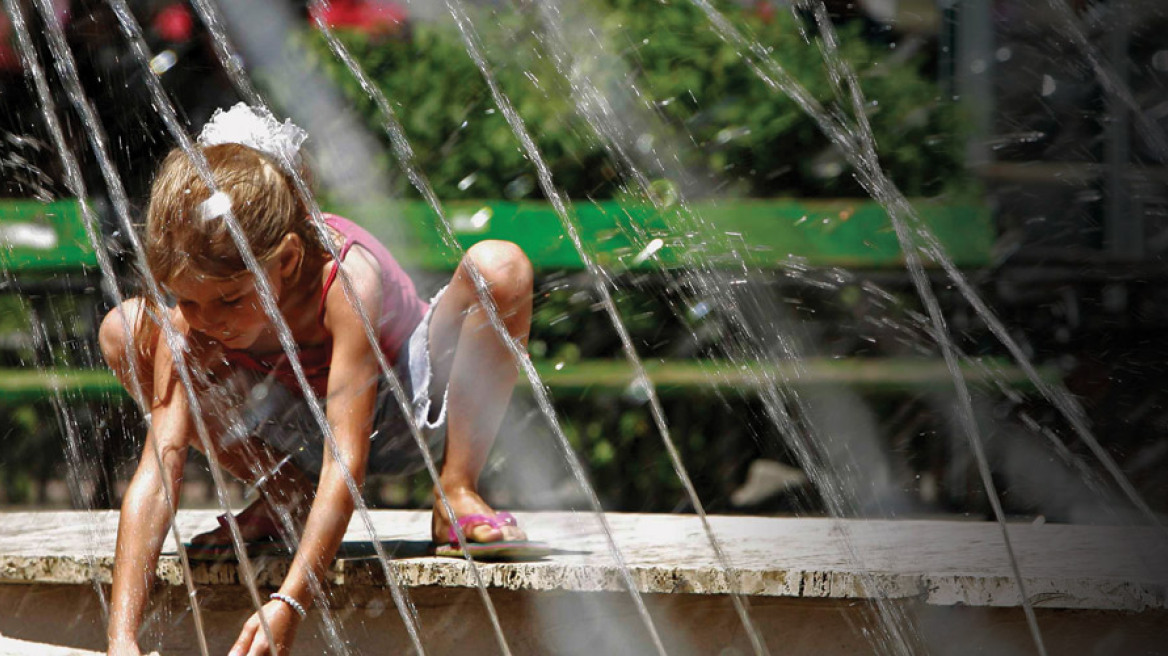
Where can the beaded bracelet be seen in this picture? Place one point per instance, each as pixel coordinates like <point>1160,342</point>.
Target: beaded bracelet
<point>291,602</point>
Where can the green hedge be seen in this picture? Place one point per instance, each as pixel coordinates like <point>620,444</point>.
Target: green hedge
<point>733,127</point>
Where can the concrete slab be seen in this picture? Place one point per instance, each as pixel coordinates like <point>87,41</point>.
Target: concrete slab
<point>941,563</point>
<point>810,585</point>
<point>13,647</point>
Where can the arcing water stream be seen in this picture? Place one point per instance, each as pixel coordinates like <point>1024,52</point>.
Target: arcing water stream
<point>855,140</point>
<point>778,395</point>
<point>883,190</point>
<point>267,297</point>
<point>861,152</point>
<point>214,22</point>
<point>76,186</point>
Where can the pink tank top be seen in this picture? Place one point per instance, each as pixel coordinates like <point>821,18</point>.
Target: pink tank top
<point>401,311</point>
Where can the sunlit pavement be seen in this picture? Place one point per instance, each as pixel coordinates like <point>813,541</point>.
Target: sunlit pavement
<point>1100,579</point>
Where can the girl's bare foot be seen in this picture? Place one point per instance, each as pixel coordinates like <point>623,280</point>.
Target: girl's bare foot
<point>466,502</point>
<point>257,523</point>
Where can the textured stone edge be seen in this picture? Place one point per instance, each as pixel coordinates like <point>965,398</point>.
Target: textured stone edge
<point>938,590</point>
<point>55,569</point>
<point>14,647</point>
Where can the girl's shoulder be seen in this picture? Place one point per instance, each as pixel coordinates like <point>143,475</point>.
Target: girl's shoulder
<point>353,232</point>
<point>358,268</point>
<point>358,253</point>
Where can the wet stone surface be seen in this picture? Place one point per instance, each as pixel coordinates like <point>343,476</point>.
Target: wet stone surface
<point>941,563</point>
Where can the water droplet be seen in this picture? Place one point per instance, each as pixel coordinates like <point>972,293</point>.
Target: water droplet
<point>726,135</point>
<point>375,608</point>
<point>1160,60</point>
<point>163,62</point>
<point>519,187</point>
<point>828,169</point>
<point>650,250</point>
<point>1048,85</point>
<point>700,310</point>
<point>462,222</point>
<point>664,193</point>
<point>480,218</point>
<point>637,392</point>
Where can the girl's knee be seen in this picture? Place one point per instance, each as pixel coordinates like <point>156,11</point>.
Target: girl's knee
<point>505,268</point>
<point>116,331</point>
<point>111,337</point>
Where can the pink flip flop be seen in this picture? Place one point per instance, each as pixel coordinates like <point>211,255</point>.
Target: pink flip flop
<point>500,550</point>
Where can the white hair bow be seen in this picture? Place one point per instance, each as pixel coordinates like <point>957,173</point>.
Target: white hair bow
<point>256,128</point>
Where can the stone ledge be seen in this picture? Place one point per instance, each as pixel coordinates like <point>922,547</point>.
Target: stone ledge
<point>940,563</point>
<point>13,647</point>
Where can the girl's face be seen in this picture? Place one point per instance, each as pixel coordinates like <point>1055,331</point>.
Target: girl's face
<point>227,311</point>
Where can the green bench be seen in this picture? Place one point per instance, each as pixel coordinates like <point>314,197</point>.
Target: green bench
<point>870,375</point>
<point>44,244</point>
<point>49,277</point>
<point>768,233</point>
<point>42,240</point>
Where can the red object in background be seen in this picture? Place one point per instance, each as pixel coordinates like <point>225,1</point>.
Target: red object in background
<point>373,17</point>
<point>9,58</point>
<point>764,10</point>
<point>174,23</point>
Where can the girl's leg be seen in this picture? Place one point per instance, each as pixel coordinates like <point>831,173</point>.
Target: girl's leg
<point>478,371</point>
<point>284,490</point>
<point>119,351</point>
<point>282,486</point>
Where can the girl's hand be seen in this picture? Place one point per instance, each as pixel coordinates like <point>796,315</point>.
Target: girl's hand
<point>283,622</point>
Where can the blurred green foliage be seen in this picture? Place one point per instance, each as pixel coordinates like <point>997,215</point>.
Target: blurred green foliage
<point>716,438</point>
<point>730,127</point>
<point>733,133</point>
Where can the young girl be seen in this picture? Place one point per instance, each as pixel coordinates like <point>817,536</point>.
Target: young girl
<point>452,362</point>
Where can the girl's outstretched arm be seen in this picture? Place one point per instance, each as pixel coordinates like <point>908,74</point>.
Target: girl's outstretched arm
<point>145,515</point>
<point>352,394</point>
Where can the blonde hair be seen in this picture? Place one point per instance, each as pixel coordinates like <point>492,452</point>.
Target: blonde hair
<point>180,241</point>
<point>264,201</point>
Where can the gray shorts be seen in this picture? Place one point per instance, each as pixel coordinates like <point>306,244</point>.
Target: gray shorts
<point>283,419</point>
